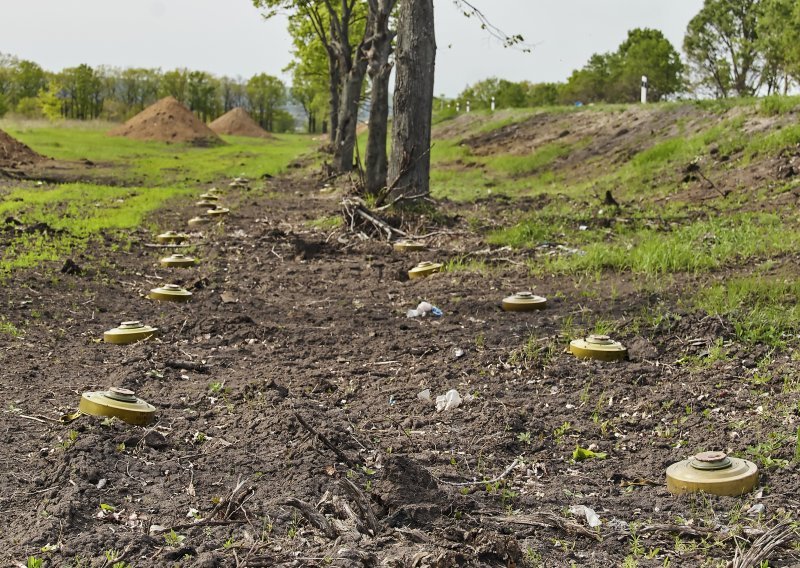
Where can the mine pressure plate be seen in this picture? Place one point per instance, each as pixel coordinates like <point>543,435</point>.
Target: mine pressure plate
<point>129,332</point>
<point>119,403</point>
<point>600,347</point>
<point>172,237</point>
<point>218,211</point>
<point>712,472</point>
<point>210,196</point>
<point>408,246</point>
<point>170,293</point>
<point>179,260</point>
<point>206,203</point>
<point>424,269</point>
<point>194,221</point>
<point>524,302</point>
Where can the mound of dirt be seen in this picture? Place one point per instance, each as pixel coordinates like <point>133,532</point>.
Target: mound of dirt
<point>14,153</point>
<point>168,120</point>
<point>237,122</point>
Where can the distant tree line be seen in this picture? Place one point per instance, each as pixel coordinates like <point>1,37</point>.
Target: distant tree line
<point>731,47</point>
<point>86,93</point>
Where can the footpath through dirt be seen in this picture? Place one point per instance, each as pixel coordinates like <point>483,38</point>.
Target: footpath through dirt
<point>290,429</point>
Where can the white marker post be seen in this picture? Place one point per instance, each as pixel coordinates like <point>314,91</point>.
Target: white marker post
<point>458,108</point>
<point>644,89</point>
<point>467,106</point>
<point>492,104</point>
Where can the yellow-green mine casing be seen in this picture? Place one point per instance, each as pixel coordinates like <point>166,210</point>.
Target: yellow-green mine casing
<point>524,302</point>
<point>206,203</point>
<point>179,260</point>
<point>712,472</point>
<point>424,269</point>
<point>118,403</point>
<point>129,332</point>
<point>170,293</point>
<point>218,212</point>
<point>172,237</point>
<point>194,221</point>
<point>599,347</point>
<point>210,196</point>
<point>408,246</point>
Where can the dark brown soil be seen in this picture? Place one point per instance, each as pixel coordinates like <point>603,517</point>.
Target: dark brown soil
<point>168,121</point>
<point>15,154</point>
<point>290,326</point>
<point>237,122</point>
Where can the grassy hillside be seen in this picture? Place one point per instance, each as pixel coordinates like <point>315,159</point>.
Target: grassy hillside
<point>704,190</point>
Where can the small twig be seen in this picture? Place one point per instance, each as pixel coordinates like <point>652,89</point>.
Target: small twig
<point>763,547</point>
<point>363,505</point>
<point>482,481</point>
<point>321,437</point>
<point>550,520</point>
<point>313,516</point>
<point>187,366</point>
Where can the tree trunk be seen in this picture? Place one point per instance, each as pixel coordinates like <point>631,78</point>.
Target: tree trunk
<point>335,85</point>
<point>348,114</point>
<point>410,162</point>
<point>379,70</point>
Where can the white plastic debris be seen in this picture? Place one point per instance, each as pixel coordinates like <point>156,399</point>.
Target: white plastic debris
<point>424,309</point>
<point>583,511</point>
<point>448,401</point>
<point>756,510</point>
<point>425,395</point>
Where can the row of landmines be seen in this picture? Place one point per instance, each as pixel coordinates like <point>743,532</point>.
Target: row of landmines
<point>712,472</point>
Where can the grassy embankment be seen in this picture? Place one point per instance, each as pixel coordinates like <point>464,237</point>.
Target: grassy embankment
<point>662,229</point>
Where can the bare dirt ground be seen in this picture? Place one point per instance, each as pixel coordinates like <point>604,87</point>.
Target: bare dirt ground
<point>290,432</point>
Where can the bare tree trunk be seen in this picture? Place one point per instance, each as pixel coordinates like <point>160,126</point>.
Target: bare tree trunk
<point>410,162</point>
<point>379,70</point>
<point>348,114</point>
<point>335,75</point>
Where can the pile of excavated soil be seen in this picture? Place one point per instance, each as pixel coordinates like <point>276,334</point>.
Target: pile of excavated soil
<point>168,120</point>
<point>14,153</point>
<point>237,122</point>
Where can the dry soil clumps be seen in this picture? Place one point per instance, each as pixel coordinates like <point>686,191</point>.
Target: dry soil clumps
<point>237,122</point>
<point>14,153</point>
<point>168,120</point>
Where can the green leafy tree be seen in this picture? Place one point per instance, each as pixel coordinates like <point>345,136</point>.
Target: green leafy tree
<point>506,94</point>
<point>542,94</point>
<point>590,83</point>
<point>645,52</point>
<point>175,83</point>
<point>721,45</point>
<point>81,92</point>
<point>28,79</point>
<point>265,95</point>
<point>201,90</point>
<point>778,32</point>
<point>233,93</point>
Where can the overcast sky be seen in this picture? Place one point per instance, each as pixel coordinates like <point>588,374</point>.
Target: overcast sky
<point>228,37</point>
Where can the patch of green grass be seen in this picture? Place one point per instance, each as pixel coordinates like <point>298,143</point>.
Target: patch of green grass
<point>159,163</point>
<point>74,214</point>
<point>326,223</point>
<point>8,328</point>
<point>700,246</point>
<point>776,105</point>
<point>526,164</point>
<point>762,309</point>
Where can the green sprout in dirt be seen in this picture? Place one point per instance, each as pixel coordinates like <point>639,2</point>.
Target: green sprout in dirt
<point>173,539</point>
<point>561,431</point>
